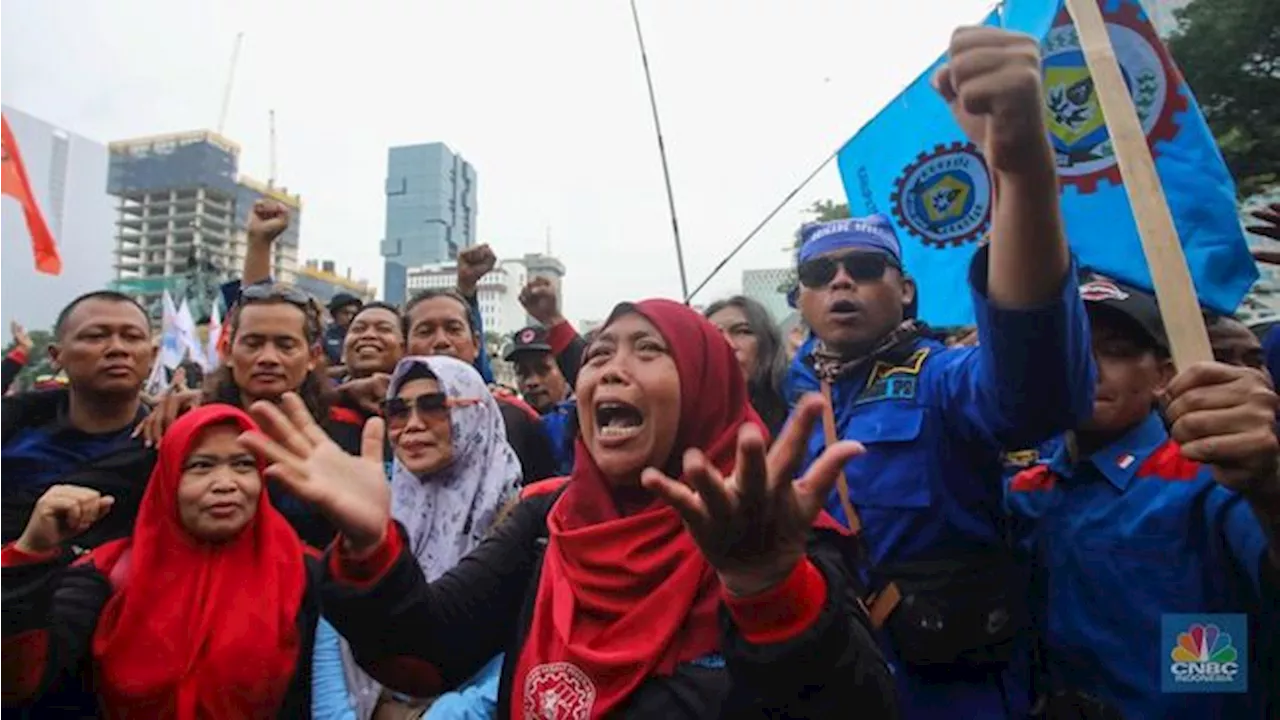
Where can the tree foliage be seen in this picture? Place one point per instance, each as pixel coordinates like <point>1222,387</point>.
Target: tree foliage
<point>1229,52</point>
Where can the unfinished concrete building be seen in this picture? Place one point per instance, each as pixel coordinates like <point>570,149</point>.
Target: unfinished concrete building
<point>181,216</point>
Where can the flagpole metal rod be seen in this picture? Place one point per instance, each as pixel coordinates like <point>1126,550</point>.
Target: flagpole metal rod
<point>662,152</point>
<point>1179,308</point>
<point>760,226</point>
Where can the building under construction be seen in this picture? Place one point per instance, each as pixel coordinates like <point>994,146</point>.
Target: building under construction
<point>181,213</point>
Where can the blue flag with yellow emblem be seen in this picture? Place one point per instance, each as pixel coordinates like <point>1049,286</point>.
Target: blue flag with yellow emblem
<point>913,163</point>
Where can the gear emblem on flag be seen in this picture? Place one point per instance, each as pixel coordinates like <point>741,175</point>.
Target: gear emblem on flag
<point>944,197</point>
<point>1077,130</point>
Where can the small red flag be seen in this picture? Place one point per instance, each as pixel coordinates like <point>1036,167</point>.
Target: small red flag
<point>14,183</point>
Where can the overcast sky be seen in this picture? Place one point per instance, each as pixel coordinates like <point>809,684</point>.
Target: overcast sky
<point>546,99</point>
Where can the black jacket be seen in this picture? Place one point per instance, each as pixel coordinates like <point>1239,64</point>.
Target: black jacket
<point>63,604</point>
<point>423,638</point>
<point>530,442</point>
<point>122,473</point>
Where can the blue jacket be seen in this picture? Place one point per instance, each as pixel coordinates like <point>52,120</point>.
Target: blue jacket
<point>557,422</point>
<point>1126,539</point>
<point>934,424</point>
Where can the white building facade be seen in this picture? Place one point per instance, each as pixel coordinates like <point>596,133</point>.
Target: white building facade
<point>498,292</point>
<point>66,172</point>
<point>763,287</point>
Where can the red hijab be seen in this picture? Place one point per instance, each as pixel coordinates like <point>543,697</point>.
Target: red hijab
<point>624,598</point>
<point>193,629</point>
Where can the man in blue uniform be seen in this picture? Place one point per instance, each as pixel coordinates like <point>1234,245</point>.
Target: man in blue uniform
<point>926,496</point>
<point>1129,529</point>
<point>544,387</point>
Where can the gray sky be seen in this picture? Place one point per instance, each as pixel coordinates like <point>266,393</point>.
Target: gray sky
<point>546,99</point>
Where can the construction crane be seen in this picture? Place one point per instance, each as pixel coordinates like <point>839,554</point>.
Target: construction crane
<point>231,81</point>
<point>271,176</point>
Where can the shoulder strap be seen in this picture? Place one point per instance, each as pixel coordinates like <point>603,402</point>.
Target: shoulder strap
<point>842,483</point>
<point>879,605</point>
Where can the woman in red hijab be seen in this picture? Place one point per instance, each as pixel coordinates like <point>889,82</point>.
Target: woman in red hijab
<point>204,612</point>
<point>622,592</point>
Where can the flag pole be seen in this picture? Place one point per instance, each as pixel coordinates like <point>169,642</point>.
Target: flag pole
<point>1179,308</point>
<point>662,152</point>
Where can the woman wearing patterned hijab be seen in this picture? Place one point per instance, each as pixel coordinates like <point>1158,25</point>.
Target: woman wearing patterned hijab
<point>453,468</point>
<point>453,472</point>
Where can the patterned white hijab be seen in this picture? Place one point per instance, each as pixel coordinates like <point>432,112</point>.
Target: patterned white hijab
<point>448,512</point>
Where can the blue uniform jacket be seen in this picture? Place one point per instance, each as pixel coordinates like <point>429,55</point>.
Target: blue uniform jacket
<point>557,423</point>
<point>934,425</point>
<point>1124,537</point>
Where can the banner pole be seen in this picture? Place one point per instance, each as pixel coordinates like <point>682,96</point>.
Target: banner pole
<point>1179,308</point>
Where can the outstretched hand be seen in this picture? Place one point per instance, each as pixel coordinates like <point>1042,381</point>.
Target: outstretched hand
<point>753,527</point>
<point>352,491</point>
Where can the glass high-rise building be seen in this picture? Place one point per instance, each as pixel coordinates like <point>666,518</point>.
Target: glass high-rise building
<point>431,211</point>
<point>66,172</point>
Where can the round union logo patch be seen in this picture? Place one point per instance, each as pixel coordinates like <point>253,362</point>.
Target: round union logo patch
<point>1077,130</point>
<point>944,197</point>
<point>558,691</point>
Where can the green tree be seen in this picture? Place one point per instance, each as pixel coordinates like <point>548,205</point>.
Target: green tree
<point>38,362</point>
<point>819,211</point>
<point>1229,52</point>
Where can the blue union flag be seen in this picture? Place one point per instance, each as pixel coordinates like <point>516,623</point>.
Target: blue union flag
<point>912,163</point>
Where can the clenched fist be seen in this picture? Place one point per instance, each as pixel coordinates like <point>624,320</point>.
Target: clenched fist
<point>62,513</point>
<point>473,264</point>
<point>268,219</point>
<point>992,82</point>
<point>541,301</point>
<point>1225,416</point>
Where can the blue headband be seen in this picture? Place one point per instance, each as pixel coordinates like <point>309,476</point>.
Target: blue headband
<point>874,232</point>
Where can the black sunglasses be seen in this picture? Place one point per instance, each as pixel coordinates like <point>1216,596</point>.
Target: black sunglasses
<point>861,266</point>
<point>396,410</point>
<point>259,292</point>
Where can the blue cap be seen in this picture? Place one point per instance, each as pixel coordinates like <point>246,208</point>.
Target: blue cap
<point>874,233</point>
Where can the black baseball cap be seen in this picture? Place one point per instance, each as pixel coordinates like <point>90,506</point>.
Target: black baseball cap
<point>530,339</point>
<point>1139,306</point>
<point>342,300</point>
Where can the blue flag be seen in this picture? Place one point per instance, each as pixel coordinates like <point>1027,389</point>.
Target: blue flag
<point>913,163</point>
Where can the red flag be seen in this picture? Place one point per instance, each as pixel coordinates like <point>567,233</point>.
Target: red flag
<point>14,183</point>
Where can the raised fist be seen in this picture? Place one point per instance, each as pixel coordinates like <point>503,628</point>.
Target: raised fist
<point>268,219</point>
<point>62,513</point>
<point>473,264</point>
<point>992,83</point>
<point>541,301</point>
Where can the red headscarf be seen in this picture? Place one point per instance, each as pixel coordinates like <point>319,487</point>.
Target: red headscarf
<point>193,629</point>
<point>622,599</point>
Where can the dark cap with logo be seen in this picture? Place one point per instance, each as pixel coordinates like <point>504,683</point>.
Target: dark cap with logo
<point>1137,305</point>
<point>530,339</point>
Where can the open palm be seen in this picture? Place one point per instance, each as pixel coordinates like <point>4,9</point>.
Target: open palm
<point>753,526</point>
<point>351,491</point>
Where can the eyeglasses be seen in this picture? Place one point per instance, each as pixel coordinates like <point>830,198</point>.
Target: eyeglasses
<point>259,292</point>
<point>396,411</point>
<point>861,266</point>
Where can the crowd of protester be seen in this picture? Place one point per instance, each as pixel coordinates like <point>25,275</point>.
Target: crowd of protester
<point>683,515</point>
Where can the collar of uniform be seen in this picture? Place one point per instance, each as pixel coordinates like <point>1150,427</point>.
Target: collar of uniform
<point>1119,461</point>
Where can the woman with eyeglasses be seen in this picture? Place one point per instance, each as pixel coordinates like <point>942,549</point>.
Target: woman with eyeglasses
<point>621,592</point>
<point>208,610</point>
<point>452,474</point>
